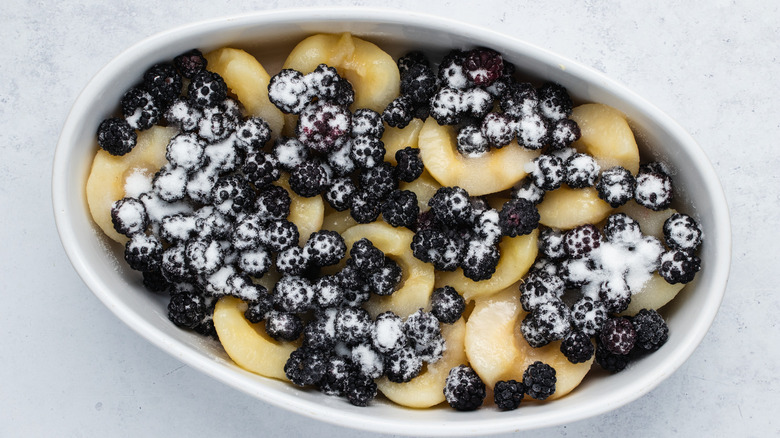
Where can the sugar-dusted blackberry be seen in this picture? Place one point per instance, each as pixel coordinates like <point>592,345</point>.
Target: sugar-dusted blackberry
<point>452,206</point>
<point>139,109</point>
<point>385,280</point>
<point>207,89</point>
<point>533,131</point>
<point>185,151</point>
<point>679,266</point>
<point>418,83</point>
<point>486,226</point>
<point>483,66</point>
<point>290,153</point>
<point>581,240</point>
<point>339,195</point>
<point>309,179</point>
<point>170,183</point>
<point>463,389</point>
<point>353,325</point>
<point>554,101</point>
<point>439,248</point>
<point>156,282</point>
<point>340,159</point>
<point>289,91</point>
<point>365,207</point>
<point>204,256</point>
<point>427,221</point>
<point>653,190</point>
<point>261,168</point>
<point>563,133</point>
<point>479,259</point>
<point>609,361</point>
<point>452,72</point>
<point>402,364</point>
<point>280,235</point>
<point>540,287</point>
<point>615,293</point>
<point>174,264</point>
<point>255,261</point>
<point>291,261</point>
<point>242,287</point>
<point>388,333</point>
<point>216,124</point>
<point>359,389</point>
<point>293,294</point>
<point>322,126</point>
<point>498,129</point>
<point>618,335</point>
<point>367,122</point>
<point>327,291</point>
<point>183,115</point>
<point>129,216</point>
<point>320,332</point>
<point>186,310</point>
<point>432,351</point>
<point>528,190</point>
<point>533,334</point>
<point>200,185</point>
<point>539,380</point>
<point>367,151</point>
<point>399,112</point>
<point>616,186</point>
<point>622,229</point>
<point>164,83</point>
<point>447,305</point>
<point>471,142</point>
<point>582,170</point>
<point>353,282</point>
<point>325,84</point>
<point>588,315</point>
<point>366,257</point>
<point>325,248</point>
<point>337,371</point>
<point>682,232</point>
<point>518,217</point>
<point>210,223</point>
<point>548,172</point>
<point>401,209</point>
<point>144,252</point>
<point>519,99</point>
<point>283,326</point>
<point>421,329</point>
<point>116,136</point>
<point>651,330</point>
<point>409,165</point>
<point>257,309</point>
<point>379,181</point>
<point>272,203</point>
<point>223,157</point>
<point>507,394</point>
<point>368,361</point>
<point>232,195</point>
<point>551,244</point>
<point>577,347</point>
<point>477,102</point>
<point>547,266</point>
<point>252,134</point>
<point>552,318</point>
<point>306,366</point>
<point>190,63</point>
<point>448,106</point>
<point>407,61</point>
<point>246,232</point>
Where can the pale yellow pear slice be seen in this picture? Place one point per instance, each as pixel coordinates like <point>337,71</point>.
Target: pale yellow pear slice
<point>566,208</point>
<point>109,174</point>
<point>497,350</point>
<point>607,136</point>
<point>416,285</point>
<point>424,187</point>
<point>655,293</point>
<point>493,172</point>
<point>338,221</point>
<point>396,139</point>
<point>305,213</point>
<point>248,344</point>
<point>372,72</point>
<point>427,389</point>
<point>517,256</point>
<point>246,78</point>
<point>650,222</point>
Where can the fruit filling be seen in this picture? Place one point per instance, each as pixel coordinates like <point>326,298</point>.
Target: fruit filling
<point>431,231</point>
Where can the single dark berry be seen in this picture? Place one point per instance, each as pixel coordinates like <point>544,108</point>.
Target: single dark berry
<point>291,261</point>
<point>139,109</point>
<point>548,322</point>
<point>359,389</point>
<point>399,112</point>
<point>452,206</point>
<point>582,171</point>
<point>679,266</point>
<point>325,248</point>
<point>507,394</point>
<point>323,126</point>
<point>280,235</point>
<point>483,66</point>
<point>210,223</point>
<point>518,217</point>
<point>452,72</point>
<point>407,61</point>
<point>289,91</point>
<point>410,165</point>
<point>471,141</point>
<point>144,252</point>
<point>366,257</point>
<point>447,106</point>
<point>367,151</point>
<point>293,294</point>
<point>486,226</point>
<point>207,89</point>
<point>529,191</point>
<point>498,129</point>
<point>533,130</point>
<point>400,209</point>
<point>164,83</point>
<point>622,229</point>
<point>326,84</point>
<point>418,83</point>
<point>232,195</point>
<point>519,99</point>
<point>618,335</point>
<point>538,288</point>
<point>682,232</point>
<point>367,122</point>
<point>255,261</point>
<point>257,309</point>
<point>272,203</point>
<point>378,181</point>
<point>385,280</point>
<point>447,305</point>
<point>477,103</point>
<point>186,151</point>
<point>479,259</point>
<point>186,309</point>
<point>306,366</point>
<point>539,380</point>
<point>283,326</point>
<point>554,101</point>
<point>580,241</point>
<point>463,389</point>
<point>548,172</point>
<point>204,256</point>
<point>551,244</point>
<point>653,190</point>
<point>365,207</point>
<point>261,168</point>
<point>252,134</point>
<point>610,361</point>
<point>651,330</point>
<point>183,115</point>
<point>290,152</point>
<point>388,333</point>
<point>309,179</point>
<point>421,329</point>
<point>577,347</point>
<point>615,293</point>
<point>402,365</point>
<point>441,249</point>
<point>116,136</point>
<point>563,133</point>
<point>337,371</point>
<point>190,63</point>
<point>588,315</point>
<point>353,325</point>
<point>156,282</point>
<point>339,195</point>
<point>129,216</point>
<point>616,186</point>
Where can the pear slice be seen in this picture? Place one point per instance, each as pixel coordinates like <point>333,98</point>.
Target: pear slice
<point>607,136</point>
<point>427,389</point>
<point>517,256</point>
<point>655,293</point>
<point>248,344</point>
<point>566,208</point>
<point>306,213</point>
<point>248,80</point>
<point>109,174</point>
<point>497,170</point>
<point>497,350</point>
<point>338,221</point>
<point>372,72</point>
<point>424,187</point>
<point>396,139</point>
<point>650,222</point>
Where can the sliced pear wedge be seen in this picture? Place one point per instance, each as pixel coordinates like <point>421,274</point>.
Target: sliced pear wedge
<point>396,139</point>
<point>566,208</point>
<point>607,136</point>
<point>424,187</point>
<point>306,213</point>
<point>650,222</point>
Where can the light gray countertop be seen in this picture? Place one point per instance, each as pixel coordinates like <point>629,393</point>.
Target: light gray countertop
<point>71,368</point>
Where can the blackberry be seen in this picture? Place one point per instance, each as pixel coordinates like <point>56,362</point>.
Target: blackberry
<point>463,389</point>
<point>203,256</point>
<point>622,229</point>
<point>322,126</point>
<point>289,91</point>
<point>366,257</point>
<point>283,326</point>
<point>246,233</point>
<point>210,223</point>
<point>139,109</point>
<point>261,169</point>
<point>554,101</point>
<point>447,106</point>
<point>293,294</point>
<point>320,332</point>
<point>337,371</point>
<point>326,84</point>
<point>272,203</point>
<point>507,394</point>
<point>255,262</point>
<point>174,264</point>
<point>183,115</point>
<point>452,72</point>
<point>232,195</point>
<point>615,293</point>
<point>388,333</point>
<point>164,83</point>
<point>223,157</point>
<point>653,190</point>
<point>379,181</point>
<point>486,227</point>
<point>438,248</point>
<point>483,66</point>
<point>477,102</point>
<point>551,244</point>
<point>186,310</point>
<point>582,170</point>
<point>409,165</point>
<point>129,216</point>
<point>368,361</point>
<point>540,287</point>
<point>170,183</point>
<point>155,281</point>
<point>185,151</point>
<point>400,209</point>
<point>340,159</point>
<point>207,89</point>
<point>216,124</point>
<point>325,248</point>
<point>116,136</point>
<point>519,99</point>
<point>190,63</point>
<point>563,133</point>
<point>280,235</point>
<point>306,366</point>
<point>529,191</point>
<point>418,83</point>
<point>407,61</point>
<point>432,351</point>
<point>291,261</point>
<point>290,153</point>
<point>452,206</point>
<point>144,252</point>
<point>498,129</point>
<point>385,280</point>
<point>359,389</point>
<point>616,186</point>
<point>651,330</point>
<point>257,309</point>
<point>618,335</point>
<point>580,241</point>
<point>252,134</point>
<point>367,151</point>
<point>548,172</point>
<point>399,112</point>
<point>367,122</point>
<point>402,365</point>
<point>365,207</point>
<point>309,179</point>
<point>339,195</point>
<point>178,227</point>
<point>679,266</point>
<point>682,232</point>
<point>577,347</point>
<point>447,305</point>
<point>471,142</point>
<point>241,286</point>
<point>518,217</point>
<point>421,329</point>
<point>609,361</point>
<point>588,315</point>
<point>327,291</point>
<point>427,221</point>
<point>479,260</point>
<point>539,380</point>
<point>353,325</point>
<point>549,321</point>
<point>533,131</point>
